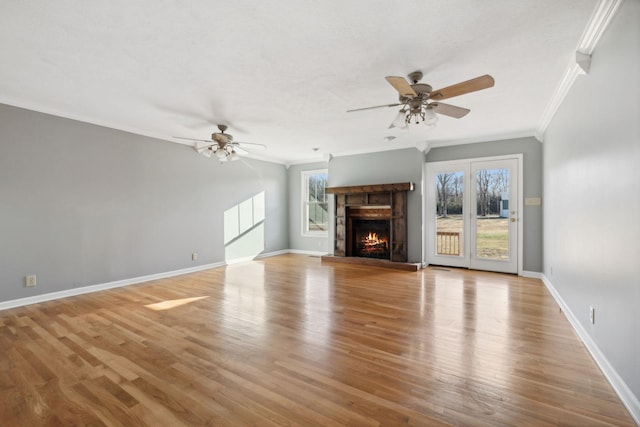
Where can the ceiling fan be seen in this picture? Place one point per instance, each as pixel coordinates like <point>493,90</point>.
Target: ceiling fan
<point>222,145</point>
<point>420,102</point>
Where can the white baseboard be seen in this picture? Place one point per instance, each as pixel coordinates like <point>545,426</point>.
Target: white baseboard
<point>259,256</point>
<point>312,253</point>
<point>103,286</point>
<point>531,274</point>
<point>274,253</point>
<point>4,305</point>
<point>629,400</point>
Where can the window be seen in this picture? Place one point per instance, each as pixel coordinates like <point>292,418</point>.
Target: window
<point>315,217</point>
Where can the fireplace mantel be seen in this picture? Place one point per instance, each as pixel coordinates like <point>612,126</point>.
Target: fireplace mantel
<point>391,196</point>
<point>375,188</point>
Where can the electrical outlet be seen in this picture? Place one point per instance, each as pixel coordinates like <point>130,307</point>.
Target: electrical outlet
<point>592,315</point>
<point>30,280</point>
<point>194,256</point>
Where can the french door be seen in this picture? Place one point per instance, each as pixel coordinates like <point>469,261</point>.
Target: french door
<point>472,214</point>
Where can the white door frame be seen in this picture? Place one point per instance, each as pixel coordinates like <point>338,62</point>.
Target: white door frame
<point>463,259</point>
<point>428,227</point>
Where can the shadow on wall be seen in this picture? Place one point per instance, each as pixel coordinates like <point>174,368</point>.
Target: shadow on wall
<point>244,229</point>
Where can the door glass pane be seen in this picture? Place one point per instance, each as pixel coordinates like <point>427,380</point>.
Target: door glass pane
<point>449,215</point>
<point>492,220</point>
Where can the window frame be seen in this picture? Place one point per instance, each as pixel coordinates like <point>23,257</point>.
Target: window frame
<point>304,205</point>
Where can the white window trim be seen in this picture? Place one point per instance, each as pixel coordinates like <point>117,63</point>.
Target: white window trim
<point>304,175</point>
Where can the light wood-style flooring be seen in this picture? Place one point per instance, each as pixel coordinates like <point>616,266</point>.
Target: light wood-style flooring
<point>289,340</point>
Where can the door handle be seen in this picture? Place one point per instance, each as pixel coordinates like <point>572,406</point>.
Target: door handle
<point>513,220</point>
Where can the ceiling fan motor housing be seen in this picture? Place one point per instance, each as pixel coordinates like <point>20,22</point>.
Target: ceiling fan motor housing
<point>422,91</point>
<point>222,138</point>
<point>416,76</point>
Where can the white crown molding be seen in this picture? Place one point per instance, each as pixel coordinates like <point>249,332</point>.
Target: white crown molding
<point>482,138</point>
<point>569,77</point>
<point>83,119</point>
<point>317,159</point>
<point>602,15</point>
<point>605,10</point>
<point>584,62</point>
<point>105,124</point>
<point>370,150</point>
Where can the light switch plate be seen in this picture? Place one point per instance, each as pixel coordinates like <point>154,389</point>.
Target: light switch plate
<point>532,201</point>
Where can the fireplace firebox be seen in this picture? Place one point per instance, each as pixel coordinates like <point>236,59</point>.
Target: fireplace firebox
<point>371,238</point>
<point>369,231</point>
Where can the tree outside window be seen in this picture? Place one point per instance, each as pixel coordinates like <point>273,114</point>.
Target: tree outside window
<point>315,205</point>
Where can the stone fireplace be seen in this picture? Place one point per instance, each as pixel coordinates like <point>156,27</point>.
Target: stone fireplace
<point>371,222</point>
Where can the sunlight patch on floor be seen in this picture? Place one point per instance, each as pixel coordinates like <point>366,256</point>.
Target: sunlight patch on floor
<point>173,303</point>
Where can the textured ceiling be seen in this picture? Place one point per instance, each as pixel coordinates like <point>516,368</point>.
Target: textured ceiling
<point>284,73</point>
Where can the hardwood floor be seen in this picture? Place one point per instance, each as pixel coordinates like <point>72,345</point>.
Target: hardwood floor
<point>291,341</point>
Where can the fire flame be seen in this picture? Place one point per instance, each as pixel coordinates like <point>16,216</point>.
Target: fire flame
<point>372,239</point>
<point>371,244</point>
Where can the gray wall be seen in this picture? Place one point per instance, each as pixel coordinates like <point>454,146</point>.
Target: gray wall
<point>296,240</point>
<point>384,168</point>
<point>532,184</point>
<point>592,189</point>
<point>81,204</point>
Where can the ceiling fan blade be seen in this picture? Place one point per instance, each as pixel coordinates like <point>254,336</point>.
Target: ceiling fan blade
<point>200,147</point>
<point>402,86</point>
<point>240,150</point>
<point>191,139</point>
<point>479,83</point>
<point>449,110</point>
<point>371,108</point>
<point>253,145</point>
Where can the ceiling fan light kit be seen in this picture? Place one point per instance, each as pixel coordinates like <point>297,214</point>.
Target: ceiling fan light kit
<point>417,99</point>
<point>424,114</point>
<point>222,145</point>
